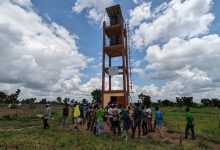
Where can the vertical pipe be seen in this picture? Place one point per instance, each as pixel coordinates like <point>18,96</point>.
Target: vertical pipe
<point>123,60</point>
<point>127,67</point>
<point>103,64</point>
<point>110,77</point>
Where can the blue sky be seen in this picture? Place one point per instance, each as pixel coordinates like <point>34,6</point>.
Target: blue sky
<point>175,47</point>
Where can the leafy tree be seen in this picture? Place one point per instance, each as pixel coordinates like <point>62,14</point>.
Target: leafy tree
<point>3,96</point>
<point>206,102</point>
<point>215,102</point>
<point>146,99</point>
<point>13,98</point>
<point>179,101</point>
<point>187,101</point>
<point>66,100</point>
<point>84,101</point>
<point>43,101</point>
<point>97,95</point>
<point>166,102</point>
<point>159,102</point>
<point>59,100</point>
<point>28,101</point>
<point>72,101</point>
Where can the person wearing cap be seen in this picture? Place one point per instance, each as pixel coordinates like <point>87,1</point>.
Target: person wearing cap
<point>47,116</point>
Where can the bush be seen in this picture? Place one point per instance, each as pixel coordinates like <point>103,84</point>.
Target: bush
<point>32,105</point>
<point>14,106</point>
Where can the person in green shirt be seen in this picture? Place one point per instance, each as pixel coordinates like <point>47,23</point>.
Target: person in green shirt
<point>100,113</point>
<point>189,124</point>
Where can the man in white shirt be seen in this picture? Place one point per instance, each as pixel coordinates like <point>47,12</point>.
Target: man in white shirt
<point>110,118</point>
<point>149,118</point>
<point>116,119</point>
<point>47,116</point>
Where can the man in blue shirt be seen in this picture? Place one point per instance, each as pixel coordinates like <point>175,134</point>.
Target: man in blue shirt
<point>159,121</point>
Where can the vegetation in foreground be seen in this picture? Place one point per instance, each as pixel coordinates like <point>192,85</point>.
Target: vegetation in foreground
<point>20,128</point>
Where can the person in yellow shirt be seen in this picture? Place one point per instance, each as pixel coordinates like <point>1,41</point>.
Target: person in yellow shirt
<point>76,115</point>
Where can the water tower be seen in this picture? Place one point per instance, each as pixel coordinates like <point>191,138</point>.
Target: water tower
<point>115,45</point>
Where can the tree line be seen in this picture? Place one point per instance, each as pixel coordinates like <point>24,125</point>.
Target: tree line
<point>97,97</point>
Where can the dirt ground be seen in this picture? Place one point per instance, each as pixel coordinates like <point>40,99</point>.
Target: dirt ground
<point>172,138</point>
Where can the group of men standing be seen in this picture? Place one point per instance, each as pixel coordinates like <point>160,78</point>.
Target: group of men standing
<point>139,117</point>
<point>125,120</point>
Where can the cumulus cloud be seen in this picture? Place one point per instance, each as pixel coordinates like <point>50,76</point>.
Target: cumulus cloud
<point>139,14</point>
<point>36,55</point>
<point>23,3</point>
<point>180,52</point>
<point>178,18</point>
<point>177,54</point>
<point>95,8</point>
<point>189,67</point>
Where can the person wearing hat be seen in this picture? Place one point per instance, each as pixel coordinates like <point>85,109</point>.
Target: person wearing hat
<point>47,116</point>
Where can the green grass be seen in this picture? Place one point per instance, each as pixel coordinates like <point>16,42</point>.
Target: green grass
<point>37,138</point>
<point>206,127</point>
<point>206,123</point>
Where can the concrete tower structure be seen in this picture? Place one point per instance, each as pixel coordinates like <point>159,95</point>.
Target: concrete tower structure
<point>115,45</point>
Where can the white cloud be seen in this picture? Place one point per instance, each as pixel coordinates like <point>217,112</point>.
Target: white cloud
<point>95,8</point>
<point>180,52</point>
<point>37,56</point>
<point>198,53</point>
<point>190,67</point>
<point>188,18</point>
<point>23,3</point>
<point>139,14</point>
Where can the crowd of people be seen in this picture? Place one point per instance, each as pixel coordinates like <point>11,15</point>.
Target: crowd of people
<point>120,120</point>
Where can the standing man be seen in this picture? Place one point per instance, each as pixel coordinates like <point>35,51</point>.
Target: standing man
<point>76,115</point>
<point>65,115</point>
<point>144,121</point>
<point>137,116</point>
<point>189,124</point>
<point>90,118</point>
<point>149,119</point>
<point>126,124</point>
<point>47,116</point>
<point>116,119</point>
<point>110,118</point>
<point>100,113</point>
<point>159,121</point>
